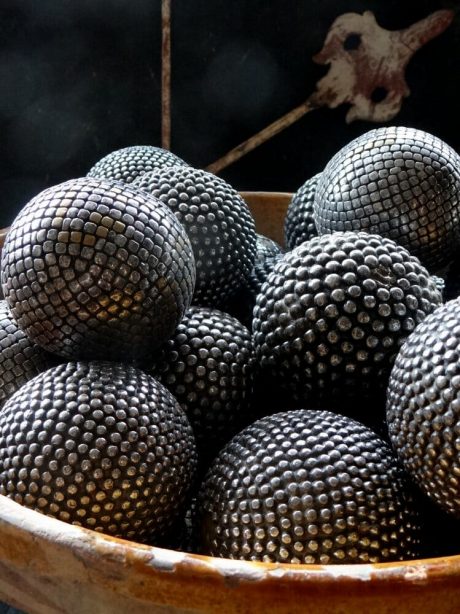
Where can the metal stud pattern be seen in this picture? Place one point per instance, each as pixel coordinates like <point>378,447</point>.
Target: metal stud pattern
<point>398,182</point>
<point>218,223</point>
<point>335,311</point>
<point>423,407</point>
<point>130,162</point>
<point>440,283</point>
<point>267,255</point>
<point>299,225</point>
<point>92,268</point>
<point>20,358</point>
<point>265,248</point>
<point>268,252</point>
<point>208,365</point>
<point>101,445</point>
<point>307,487</point>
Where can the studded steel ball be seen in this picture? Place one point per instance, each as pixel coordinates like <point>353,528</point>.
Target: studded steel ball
<point>423,407</point>
<point>20,358</point>
<point>218,223</point>
<point>333,313</point>
<point>440,284</point>
<point>101,445</point>
<point>299,224</point>
<point>130,162</point>
<point>307,487</point>
<point>266,248</point>
<point>267,255</point>
<point>208,365</point>
<point>92,268</point>
<point>399,182</point>
<point>241,305</point>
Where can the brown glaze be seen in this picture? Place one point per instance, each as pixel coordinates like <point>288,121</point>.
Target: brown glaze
<point>49,567</point>
<point>269,210</point>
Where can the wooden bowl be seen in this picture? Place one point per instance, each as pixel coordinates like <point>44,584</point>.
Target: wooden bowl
<point>50,567</point>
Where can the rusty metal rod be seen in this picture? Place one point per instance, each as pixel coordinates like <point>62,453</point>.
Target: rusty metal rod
<point>262,136</point>
<point>166,74</point>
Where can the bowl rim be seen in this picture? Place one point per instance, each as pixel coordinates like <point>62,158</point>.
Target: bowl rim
<point>21,520</point>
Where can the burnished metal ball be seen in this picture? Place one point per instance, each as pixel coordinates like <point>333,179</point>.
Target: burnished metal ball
<point>20,358</point>
<point>423,407</point>
<point>98,444</point>
<point>399,182</point>
<point>307,486</point>
<point>218,223</point>
<point>266,248</point>
<point>241,305</point>
<point>268,253</point>
<point>92,269</point>
<point>208,365</point>
<point>440,284</point>
<point>130,162</point>
<point>332,315</point>
<point>299,224</point>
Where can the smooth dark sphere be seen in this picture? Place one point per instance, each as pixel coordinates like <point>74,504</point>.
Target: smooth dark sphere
<point>218,223</point>
<point>130,162</point>
<point>20,358</point>
<point>333,313</point>
<point>299,224</point>
<point>101,445</point>
<point>423,407</point>
<point>94,269</point>
<point>398,182</point>
<point>307,487</point>
<point>208,365</point>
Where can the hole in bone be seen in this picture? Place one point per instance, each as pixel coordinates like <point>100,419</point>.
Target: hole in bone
<point>379,94</point>
<point>352,42</point>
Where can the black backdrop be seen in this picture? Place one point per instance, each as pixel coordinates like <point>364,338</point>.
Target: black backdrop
<point>79,78</point>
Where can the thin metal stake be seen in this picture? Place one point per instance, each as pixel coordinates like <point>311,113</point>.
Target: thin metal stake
<point>166,74</point>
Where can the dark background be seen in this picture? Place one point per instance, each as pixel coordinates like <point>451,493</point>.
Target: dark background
<point>79,78</point>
